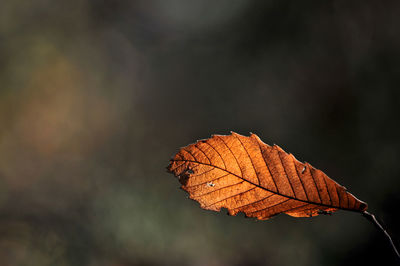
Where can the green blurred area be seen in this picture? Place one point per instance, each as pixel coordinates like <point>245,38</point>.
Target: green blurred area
<point>96,96</point>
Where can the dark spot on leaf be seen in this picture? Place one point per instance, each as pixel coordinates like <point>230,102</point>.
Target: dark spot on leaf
<point>324,212</point>
<point>189,171</point>
<point>183,179</point>
<point>304,169</point>
<point>210,184</point>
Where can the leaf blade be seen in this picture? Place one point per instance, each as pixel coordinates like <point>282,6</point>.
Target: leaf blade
<point>243,174</point>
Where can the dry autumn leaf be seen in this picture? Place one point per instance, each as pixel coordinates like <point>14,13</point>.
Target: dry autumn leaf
<point>243,174</point>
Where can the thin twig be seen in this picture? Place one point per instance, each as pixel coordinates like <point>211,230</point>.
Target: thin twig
<point>372,218</point>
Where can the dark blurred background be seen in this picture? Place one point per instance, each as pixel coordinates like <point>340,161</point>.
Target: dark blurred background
<point>96,96</point>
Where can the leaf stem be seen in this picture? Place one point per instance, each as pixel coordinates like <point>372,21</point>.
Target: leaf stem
<point>372,218</point>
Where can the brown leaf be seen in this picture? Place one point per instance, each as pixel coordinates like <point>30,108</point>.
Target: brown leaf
<point>243,174</point>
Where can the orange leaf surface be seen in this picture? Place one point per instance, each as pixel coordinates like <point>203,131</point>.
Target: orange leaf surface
<point>243,174</point>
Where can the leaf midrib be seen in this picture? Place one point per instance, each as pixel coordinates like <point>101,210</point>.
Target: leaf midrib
<point>275,192</point>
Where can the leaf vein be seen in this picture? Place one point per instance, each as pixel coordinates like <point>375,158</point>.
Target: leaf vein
<point>203,183</point>
<point>231,196</point>
<point>254,202</point>
<point>301,181</point>
<point>287,176</point>
<point>266,164</point>
<point>241,171</point>
<point>218,189</point>
<point>248,155</point>
<point>315,183</point>
<point>202,152</point>
<point>223,161</point>
<point>269,207</point>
